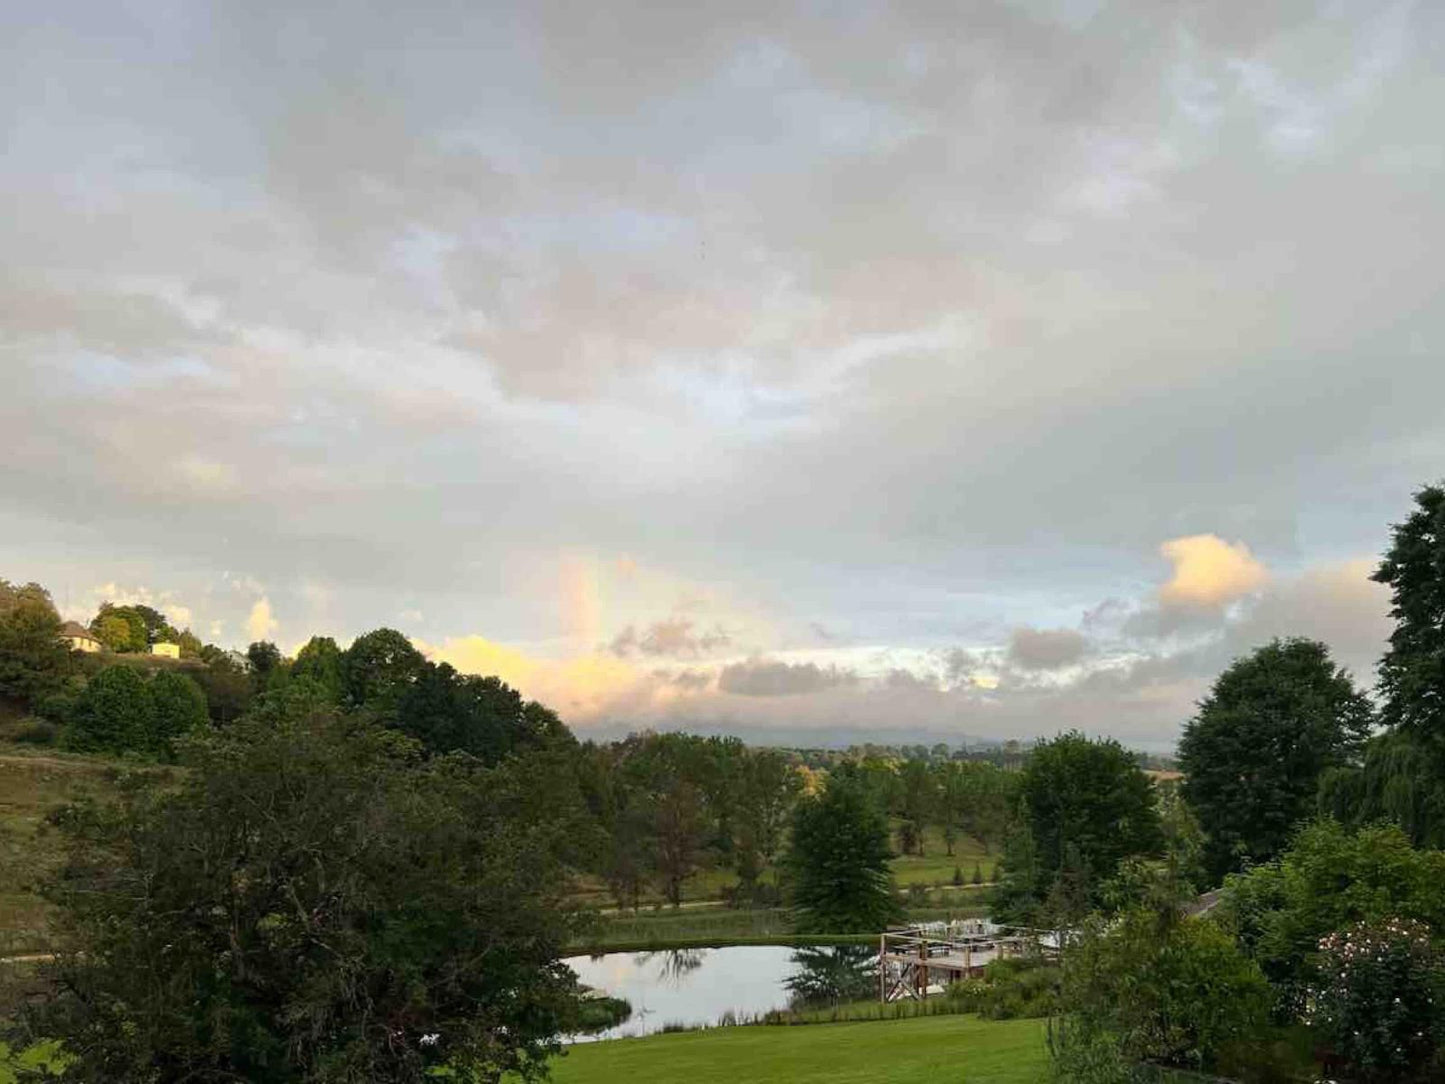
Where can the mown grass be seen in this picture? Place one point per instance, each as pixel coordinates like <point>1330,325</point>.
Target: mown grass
<point>914,1051</point>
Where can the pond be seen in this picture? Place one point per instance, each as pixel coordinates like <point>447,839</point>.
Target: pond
<point>698,987</point>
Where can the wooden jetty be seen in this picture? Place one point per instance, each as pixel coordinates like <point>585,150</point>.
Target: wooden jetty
<point>918,960</point>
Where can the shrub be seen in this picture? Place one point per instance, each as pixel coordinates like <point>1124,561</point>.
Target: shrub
<point>1377,1001</point>
<point>1167,990</point>
<point>1024,986</point>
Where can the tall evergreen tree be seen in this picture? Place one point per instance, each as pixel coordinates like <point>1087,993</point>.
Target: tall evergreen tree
<point>1412,673</point>
<point>840,879</point>
<point>1403,777</point>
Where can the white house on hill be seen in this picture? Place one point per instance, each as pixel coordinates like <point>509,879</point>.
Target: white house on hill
<point>79,637</point>
<point>166,649</point>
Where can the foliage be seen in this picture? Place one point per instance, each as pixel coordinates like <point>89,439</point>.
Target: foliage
<point>1161,989</point>
<point>378,669</point>
<point>114,714</point>
<point>121,712</point>
<point>917,804</point>
<point>450,712</point>
<point>1378,1001</point>
<point>840,881</point>
<point>1085,807</point>
<point>599,1013</point>
<point>1412,672</point>
<point>1009,988</point>
<point>131,628</point>
<point>320,660</point>
<point>179,707</point>
<point>312,902</point>
<point>1329,879</point>
<point>1403,776</point>
<point>33,657</point>
<point>1273,722</point>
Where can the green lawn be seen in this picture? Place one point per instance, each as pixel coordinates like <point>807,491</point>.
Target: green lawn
<point>952,1049</point>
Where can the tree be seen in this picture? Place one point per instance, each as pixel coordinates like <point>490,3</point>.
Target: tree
<point>189,643</point>
<point>264,658</point>
<point>115,632</point>
<point>115,713</point>
<point>320,660</point>
<point>312,902</point>
<point>451,712</point>
<point>768,787</point>
<point>130,628</point>
<point>1403,776</point>
<point>1086,805</point>
<point>179,708</point>
<point>838,862</point>
<point>679,832</point>
<point>1272,725</point>
<point>379,667</point>
<point>33,658</point>
<point>1412,672</point>
<point>1328,879</point>
<point>917,800</point>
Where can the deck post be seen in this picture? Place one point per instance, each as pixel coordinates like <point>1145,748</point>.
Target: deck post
<point>883,967</point>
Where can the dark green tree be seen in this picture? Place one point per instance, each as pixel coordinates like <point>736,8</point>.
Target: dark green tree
<point>1085,806</point>
<point>379,668</point>
<point>1403,776</point>
<point>179,708</point>
<point>1412,672</point>
<point>320,660</point>
<point>1272,725</point>
<point>115,713</point>
<point>265,658</point>
<point>313,902</point>
<point>840,880</point>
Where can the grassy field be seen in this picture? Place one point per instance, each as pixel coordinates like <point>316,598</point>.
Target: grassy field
<point>956,1049</point>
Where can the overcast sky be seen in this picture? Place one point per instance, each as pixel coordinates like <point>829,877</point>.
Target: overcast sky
<point>842,372</point>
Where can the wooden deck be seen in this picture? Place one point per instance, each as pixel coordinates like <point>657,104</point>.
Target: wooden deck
<point>919,960</point>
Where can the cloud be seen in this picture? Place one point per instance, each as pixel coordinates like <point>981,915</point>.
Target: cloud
<point>1046,649</point>
<point>260,623</point>
<point>670,638</point>
<point>773,677</point>
<point>1209,572</point>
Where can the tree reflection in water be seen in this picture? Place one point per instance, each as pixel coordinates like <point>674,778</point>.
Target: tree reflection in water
<point>832,974</point>
<point>675,965</point>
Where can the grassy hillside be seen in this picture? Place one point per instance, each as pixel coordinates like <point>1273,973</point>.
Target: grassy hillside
<point>33,781</point>
<point>945,1048</point>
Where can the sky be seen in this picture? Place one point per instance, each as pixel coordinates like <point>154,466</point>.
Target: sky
<point>817,373</point>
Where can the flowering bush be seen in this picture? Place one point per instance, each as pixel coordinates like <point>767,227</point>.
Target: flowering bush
<point>1378,1002</point>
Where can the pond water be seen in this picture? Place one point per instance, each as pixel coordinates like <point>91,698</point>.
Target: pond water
<point>697,987</point>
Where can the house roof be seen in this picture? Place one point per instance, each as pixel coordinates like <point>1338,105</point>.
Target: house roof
<point>75,630</point>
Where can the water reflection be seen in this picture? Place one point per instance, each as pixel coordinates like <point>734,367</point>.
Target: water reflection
<point>828,975</point>
<point>674,965</point>
<point>700,987</point>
